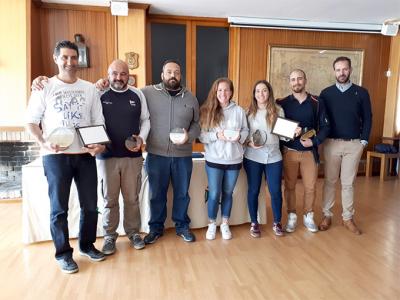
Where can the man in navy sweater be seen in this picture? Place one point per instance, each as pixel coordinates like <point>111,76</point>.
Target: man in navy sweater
<point>301,155</point>
<point>348,107</point>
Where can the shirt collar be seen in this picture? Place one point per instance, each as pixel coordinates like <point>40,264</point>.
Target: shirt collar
<point>343,87</point>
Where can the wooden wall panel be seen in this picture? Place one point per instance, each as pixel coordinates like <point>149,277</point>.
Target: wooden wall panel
<point>36,43</point>
<point>98,29</point>
<point>390,128</point>
<point>14,61</point>
<point>254,45</point>
<point>132,38</point>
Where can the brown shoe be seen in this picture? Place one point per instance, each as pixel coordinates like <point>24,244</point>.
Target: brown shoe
<point>325,223</point>
<point>350,225</point>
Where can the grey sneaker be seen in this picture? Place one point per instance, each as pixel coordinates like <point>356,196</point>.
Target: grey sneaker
<point>108,246</point>
<point>67,265</point>
<point>93,254</point>
<point>136,241</point>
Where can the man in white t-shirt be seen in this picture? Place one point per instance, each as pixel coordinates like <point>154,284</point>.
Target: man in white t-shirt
<point>67,102</point>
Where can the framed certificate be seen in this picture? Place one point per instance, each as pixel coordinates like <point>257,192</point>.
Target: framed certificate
<point>285,128</point>
<point>93,135</point>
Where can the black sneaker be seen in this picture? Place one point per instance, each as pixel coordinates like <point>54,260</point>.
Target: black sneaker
<point>136,241</point>
<point>187,235</point>
<point>93,254</point>
<point>108,246</point>
<point>152,237</point>
<point>68,265</point>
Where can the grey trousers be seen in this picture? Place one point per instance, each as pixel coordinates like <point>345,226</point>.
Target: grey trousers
<point>120,175</point>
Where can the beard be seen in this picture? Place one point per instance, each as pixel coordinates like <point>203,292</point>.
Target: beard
<point>118,85</point>
<point>172,83</point>
<point>342,78</point>
<point>298,88</point>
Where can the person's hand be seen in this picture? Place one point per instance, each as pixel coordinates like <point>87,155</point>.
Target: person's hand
<point>139,143</point>
<point>221,136</point>
<point>102,84</point>
<point>37,83</point>
<point>297,132</point>
<point>94,149</point>
<point>185,139</point>
<point>251,144</point>
<point>52,147</point>
<point>306,143</point>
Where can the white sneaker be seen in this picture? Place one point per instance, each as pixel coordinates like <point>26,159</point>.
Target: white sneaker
<point>212,229</point>
<point>226,233</point>
<point>291,222</point>
<point>308,221</point>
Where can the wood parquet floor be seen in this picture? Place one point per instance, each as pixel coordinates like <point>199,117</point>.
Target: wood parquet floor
<point>327,265</point>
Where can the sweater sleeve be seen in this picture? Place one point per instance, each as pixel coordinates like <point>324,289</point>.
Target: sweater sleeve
<point>366,115</point>
<point>323,124</point>
<point>96,112</point>
<point>194,128</point>
<point>244,128</point>
<point>208,136</point>
<point>144,116</point>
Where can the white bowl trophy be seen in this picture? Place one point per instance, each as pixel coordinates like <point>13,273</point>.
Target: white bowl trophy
<point>231,134</point>
<point>62,136</point>
<point>177,135</point>
<point>259,138</point>
<point>131,143</point>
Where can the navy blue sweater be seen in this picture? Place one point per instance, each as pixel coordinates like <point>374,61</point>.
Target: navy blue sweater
<point>122,119</point>
<point>349,112</point>
<point>311,114</point>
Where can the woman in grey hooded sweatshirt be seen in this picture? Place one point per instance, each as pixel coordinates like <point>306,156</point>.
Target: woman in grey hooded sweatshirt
<point>223,132</point>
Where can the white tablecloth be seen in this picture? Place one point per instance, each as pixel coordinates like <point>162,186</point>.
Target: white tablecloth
<point>36,203</point>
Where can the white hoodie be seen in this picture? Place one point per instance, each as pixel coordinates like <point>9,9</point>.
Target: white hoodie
<point>224,152</point>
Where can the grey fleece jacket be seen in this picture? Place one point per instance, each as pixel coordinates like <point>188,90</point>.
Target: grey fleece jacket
<point>225,152</point>
<point>166,113</point>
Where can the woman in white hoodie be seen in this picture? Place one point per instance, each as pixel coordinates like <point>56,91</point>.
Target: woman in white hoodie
<point>263,156</point>
<point>223,132</point>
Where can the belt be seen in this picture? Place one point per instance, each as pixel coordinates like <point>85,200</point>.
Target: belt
<point>346,140</point>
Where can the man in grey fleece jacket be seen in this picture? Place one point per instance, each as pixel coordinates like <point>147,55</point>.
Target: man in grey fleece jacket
<point>171,106</point>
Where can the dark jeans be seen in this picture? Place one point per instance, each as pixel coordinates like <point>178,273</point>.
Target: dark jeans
<point>60,169</point>
<point>273,175</point>
<point>161,170</point>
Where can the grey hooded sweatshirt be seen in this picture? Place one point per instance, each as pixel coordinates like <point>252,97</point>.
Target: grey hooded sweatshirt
<point>225,152</point>
<point>166,113</point>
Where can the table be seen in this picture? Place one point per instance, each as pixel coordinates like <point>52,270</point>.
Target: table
<point>36,204</point>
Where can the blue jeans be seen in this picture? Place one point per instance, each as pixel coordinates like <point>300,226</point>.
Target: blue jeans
<point>220,181</point>
<point>59,170</point>
<point>273,176</point>
<point>161,170</point>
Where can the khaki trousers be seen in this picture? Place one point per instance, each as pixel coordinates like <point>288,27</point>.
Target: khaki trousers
<point>120,174</point>
<point>293,162</point>
<point>341,159</point>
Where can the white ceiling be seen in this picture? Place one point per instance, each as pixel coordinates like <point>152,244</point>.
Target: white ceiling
<point>348,11</point>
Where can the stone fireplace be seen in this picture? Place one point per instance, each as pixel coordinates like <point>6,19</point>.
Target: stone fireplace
<point>17,148</point>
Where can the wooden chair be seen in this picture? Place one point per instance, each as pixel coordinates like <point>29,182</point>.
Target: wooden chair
<point>386,164</point>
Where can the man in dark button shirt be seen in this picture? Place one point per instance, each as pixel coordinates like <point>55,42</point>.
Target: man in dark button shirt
<point>126,115</point>
<point>348,108</point>
<point>301,154</point>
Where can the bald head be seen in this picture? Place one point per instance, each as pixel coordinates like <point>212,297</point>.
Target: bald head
<point>118,74</point>
<point>297,81</point>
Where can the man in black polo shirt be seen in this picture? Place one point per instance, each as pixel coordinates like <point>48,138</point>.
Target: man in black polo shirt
<point>348,107</point>
<point>301,154</point>
<point>119,167</point>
